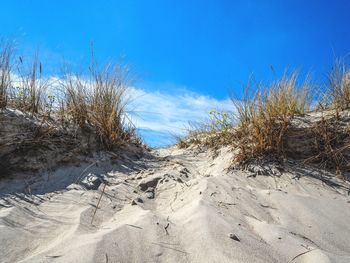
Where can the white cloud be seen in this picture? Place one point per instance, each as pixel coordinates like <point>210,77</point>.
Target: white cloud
<point>168,112</point>
<point>161,114</point>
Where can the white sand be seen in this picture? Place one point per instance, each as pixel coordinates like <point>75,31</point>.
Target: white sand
<point>198,203</point>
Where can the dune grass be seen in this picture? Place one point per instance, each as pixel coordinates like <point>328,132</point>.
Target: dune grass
<point>263,117</point>
<point>95,103</point>
<point>30,89</point>
<point>331,138</point>
<point>91,103</point>
<point>99,102</point>
<point>264,122</point>
<point>6,51</point>
<point>339,86</point>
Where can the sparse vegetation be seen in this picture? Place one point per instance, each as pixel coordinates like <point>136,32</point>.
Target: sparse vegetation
<point>87,112</point>
<point>263,118</point>
<point>214,132</point>
<point>28,92</point>
<point>331,144</point>
<point>95,102</point>
<point>266,126</point>
<point>339,86</point>
<point>6,51</point>
<point>98,102</point>
<point>261,125</point>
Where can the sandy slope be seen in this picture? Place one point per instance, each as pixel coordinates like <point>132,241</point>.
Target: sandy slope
<point>186,205</point>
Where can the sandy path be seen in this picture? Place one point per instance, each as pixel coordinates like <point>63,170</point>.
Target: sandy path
<point>185,207</point>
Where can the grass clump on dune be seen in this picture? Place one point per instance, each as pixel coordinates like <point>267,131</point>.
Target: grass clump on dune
<point>258,122</point>
<point>98,102</point>
<point>287,119</point>
<point>280,122</point>
<point>29,89</point>
<point>84,113</point>
<point>6,51</point>
<point>94,103</point>
<point>339,86</point>
<point>263,118</point>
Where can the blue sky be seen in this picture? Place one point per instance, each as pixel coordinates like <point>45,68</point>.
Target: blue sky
<point>183,49</point>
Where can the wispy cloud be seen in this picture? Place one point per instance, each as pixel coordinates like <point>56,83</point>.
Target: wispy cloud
<point>158,115</point>
<point>171,112</point>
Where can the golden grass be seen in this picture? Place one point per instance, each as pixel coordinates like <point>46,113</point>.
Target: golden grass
<point>98,102</point>
<point>339,86</point>
<point>94,103</point>
<point>266,127</point>
<point>74,106</point>
<point>6,52</point>
<point>263,118</point>
<point>331,142</point>
<point>29,94</point>
<point>108,105</point>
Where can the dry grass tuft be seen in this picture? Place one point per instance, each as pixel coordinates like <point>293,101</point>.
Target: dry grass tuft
<point>29,95</point>
<point>98,103</point>
<point>108,105</point>
<point>339,86</point>
<point>264,117</point>
<point>74,107</point>
<point>278,121</point>
<point>6,52</point>
<point>84,113</point>
<point>331,143</point>
<point>213,132</point>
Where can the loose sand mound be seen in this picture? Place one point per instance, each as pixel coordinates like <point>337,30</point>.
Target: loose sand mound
<point>40,143</point>
<point>174,206</point>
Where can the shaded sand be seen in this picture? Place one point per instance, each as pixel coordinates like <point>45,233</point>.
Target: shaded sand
<point>177,206</point>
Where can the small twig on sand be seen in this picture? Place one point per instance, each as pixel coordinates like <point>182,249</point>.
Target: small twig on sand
<point>166,229</point>
<point>267,206</point>
<point>300,255</point>
<point>134,226</point>
<point>224,203</point>
<point>98,203</point>
<point>55,256</point>
<point>161,245</point>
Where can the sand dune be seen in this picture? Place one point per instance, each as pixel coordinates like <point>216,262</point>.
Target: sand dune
<point>174,206</point>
